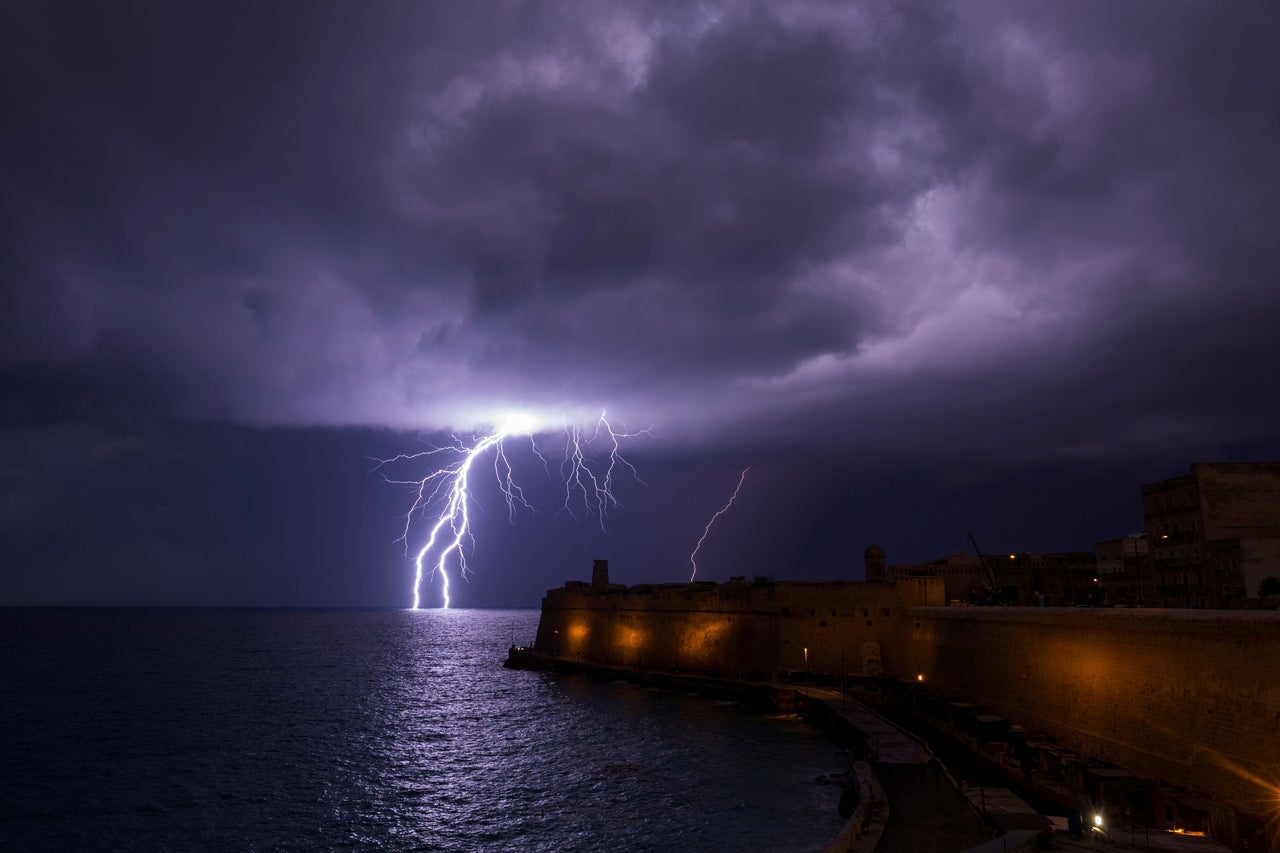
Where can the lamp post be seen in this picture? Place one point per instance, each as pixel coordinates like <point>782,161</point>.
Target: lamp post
<point>844,687</point>
<point>806,670</point>
<point>982,791</point>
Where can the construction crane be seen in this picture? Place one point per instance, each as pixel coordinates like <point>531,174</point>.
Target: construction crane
<point>991,575</point>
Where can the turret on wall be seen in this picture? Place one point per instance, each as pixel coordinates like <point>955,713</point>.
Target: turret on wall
<point>873,559</point>
<point>599,574</point>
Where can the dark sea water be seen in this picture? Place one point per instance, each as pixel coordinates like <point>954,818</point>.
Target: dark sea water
<point>394,730</point>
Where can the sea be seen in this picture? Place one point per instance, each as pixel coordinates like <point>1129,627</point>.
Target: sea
<point>242,729</point>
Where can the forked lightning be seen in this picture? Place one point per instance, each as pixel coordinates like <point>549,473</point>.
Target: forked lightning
<point>445,494</point>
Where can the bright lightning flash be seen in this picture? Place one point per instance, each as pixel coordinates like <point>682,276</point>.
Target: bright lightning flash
<point>445,494</point>
<point>692,561</point>
<point>595,489</point>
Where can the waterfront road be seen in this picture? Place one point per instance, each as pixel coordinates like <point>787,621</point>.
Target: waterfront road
<point>927,812</point>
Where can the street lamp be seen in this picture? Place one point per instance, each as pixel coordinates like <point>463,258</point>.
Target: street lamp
<point>806,670</point>
<point>844,686</point>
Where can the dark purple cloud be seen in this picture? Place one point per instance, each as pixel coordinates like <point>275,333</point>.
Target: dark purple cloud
<point>981,236</point>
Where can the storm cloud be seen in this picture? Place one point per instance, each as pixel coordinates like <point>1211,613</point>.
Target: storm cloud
<point>971,234</point>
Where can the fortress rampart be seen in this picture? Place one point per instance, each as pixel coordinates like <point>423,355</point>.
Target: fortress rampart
<point>1189,697</point>
<point>751,631</point>
<point>1185,697</point>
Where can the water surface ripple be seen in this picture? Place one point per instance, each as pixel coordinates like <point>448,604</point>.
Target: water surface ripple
<point>373,730</point>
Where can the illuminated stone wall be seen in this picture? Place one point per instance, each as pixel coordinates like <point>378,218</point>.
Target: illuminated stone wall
<point>755,631</point>
<point>1188,697</point>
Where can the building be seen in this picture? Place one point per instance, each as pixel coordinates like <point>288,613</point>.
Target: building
<point>1124,570</point>
<point>1214,533</point>
<point>1243,564</point>
<point>1053,580</point>
<point>963,575</point>
<point>1028,578</point>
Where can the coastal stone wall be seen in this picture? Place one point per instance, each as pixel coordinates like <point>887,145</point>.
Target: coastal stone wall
<point>1188,697</point>
<point>751,631</point>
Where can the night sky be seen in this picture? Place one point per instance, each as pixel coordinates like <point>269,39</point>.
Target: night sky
<point>929,269</point>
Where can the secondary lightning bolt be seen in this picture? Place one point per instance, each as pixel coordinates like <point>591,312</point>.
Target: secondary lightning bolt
<point>692,561</point>
<point>446,492</point>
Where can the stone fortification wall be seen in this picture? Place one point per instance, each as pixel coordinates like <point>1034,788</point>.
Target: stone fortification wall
<point>1189,697</point>
<point>750,631</point>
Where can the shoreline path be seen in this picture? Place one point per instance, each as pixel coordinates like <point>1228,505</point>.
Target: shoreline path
<point>927,813</point>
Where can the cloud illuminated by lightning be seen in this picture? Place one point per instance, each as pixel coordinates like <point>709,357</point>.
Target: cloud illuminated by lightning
<point>692,561</point>
<point>445,493</point>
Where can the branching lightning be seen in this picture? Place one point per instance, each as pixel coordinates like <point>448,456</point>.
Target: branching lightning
<point>445,494</point>
<point>595,489</point>
<point>692,557</point>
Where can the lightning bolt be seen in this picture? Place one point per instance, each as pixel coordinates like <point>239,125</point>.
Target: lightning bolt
<point>446,494</point>
<point>692,561</point>
<point>593,487</point>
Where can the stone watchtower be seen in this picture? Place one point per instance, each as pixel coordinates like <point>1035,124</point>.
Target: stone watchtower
<point>873,559</point>
<point>599,574</point>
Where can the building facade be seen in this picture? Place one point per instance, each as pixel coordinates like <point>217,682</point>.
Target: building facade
<point>1214,533</point>
<point>1027,578</point>
<point>1124,570</point>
